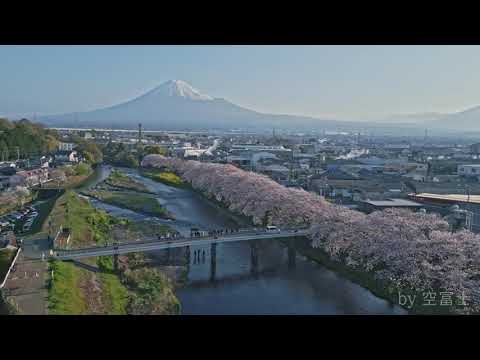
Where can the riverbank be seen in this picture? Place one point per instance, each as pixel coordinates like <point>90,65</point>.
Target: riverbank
<point>119,180</point>
<point>135,201</point>
<point>302,246</point>
<point>367,281</point>
<point>96,286</point>
<point>381,289</point>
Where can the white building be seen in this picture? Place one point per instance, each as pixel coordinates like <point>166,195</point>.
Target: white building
<point>266,148</point>
<point>62,146</point>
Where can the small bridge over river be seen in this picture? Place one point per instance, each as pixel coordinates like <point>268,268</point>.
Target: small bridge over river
<point>152,244</point>
<point>155,243</point>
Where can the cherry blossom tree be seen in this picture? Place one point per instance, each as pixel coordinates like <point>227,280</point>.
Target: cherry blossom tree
<point>407,250</point>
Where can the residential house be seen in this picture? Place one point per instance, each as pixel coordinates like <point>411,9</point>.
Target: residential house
<point>369,206</point>
<point>29,178</point>
<point>66,157</point>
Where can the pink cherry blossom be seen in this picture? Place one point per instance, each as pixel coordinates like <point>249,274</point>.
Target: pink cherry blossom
<point>407,250</point>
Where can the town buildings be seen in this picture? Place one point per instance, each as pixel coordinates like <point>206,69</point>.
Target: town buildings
<point>29,178</point>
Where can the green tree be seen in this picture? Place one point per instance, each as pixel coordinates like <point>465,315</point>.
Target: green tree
<point>90,151</point>
<point>155,149</point>
<point>3,150</point>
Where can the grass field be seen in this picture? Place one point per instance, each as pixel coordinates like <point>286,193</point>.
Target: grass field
<point>134,201</point>
<point>119,179</point>
<point>73,212</point>
<point>65,296</point>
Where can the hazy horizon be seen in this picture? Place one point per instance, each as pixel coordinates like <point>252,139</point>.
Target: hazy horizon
<point>352,83</point>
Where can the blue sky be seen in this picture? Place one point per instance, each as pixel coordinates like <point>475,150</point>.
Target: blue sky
<point>344,82</point>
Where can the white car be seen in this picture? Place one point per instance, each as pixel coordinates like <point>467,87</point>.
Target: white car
<point>271,228</point>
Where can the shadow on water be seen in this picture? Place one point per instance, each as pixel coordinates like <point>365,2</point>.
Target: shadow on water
<point>274,287</point>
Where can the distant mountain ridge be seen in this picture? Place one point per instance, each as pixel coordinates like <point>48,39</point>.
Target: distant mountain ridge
<point>176,105</point>
<point>464,120</point>
<point>416,118</point>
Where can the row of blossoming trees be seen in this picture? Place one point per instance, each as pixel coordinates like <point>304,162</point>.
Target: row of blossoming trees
<point>411,252</point>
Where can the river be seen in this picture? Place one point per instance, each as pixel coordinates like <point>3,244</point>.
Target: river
<point>275,288</point>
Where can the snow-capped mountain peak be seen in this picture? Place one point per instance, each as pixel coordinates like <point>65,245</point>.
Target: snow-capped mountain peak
<point>180,88</point>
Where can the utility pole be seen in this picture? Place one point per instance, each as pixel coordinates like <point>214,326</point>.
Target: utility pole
<point>139,143</point>
<point>139,133</point>
<point>469,220</point>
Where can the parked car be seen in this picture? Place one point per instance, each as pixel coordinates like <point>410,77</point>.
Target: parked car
<point>271,228</point>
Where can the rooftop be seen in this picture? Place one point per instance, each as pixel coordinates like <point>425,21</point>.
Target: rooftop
<point>448,197</point>
<point>393,202</point>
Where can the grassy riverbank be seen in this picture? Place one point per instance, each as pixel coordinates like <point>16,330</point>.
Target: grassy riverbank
<point>77,289</point>
<point>138,202</point>
<point>165,177</point>
<point>120,180</point>
<point>74,290</point>
<point>152,291</point>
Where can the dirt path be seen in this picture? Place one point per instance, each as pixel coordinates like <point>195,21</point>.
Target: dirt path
<point>92,292</point>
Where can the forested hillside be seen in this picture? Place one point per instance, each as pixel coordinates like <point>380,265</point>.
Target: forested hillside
<point>25,139</point>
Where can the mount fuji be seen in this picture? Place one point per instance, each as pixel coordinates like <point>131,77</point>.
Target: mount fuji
<point>176,105</point>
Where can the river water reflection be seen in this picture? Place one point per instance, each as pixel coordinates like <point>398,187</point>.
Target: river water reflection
<point>273,288</point>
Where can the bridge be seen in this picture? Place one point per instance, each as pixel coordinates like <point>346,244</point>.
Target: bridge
<point>152,244</point>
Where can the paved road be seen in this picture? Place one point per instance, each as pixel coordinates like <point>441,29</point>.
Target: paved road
<point>156,244</point>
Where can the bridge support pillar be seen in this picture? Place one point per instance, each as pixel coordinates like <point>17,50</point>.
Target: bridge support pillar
<point>115,262</point>
<point>254,257</point>
<point>292,255</point>
<point>213,261</point>
<point>167,255</point>
<point>187,255</point>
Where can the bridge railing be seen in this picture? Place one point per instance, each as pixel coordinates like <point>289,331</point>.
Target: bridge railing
<point>156,240</point>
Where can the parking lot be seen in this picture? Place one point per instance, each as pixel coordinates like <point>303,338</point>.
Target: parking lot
<point>20,221</point>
